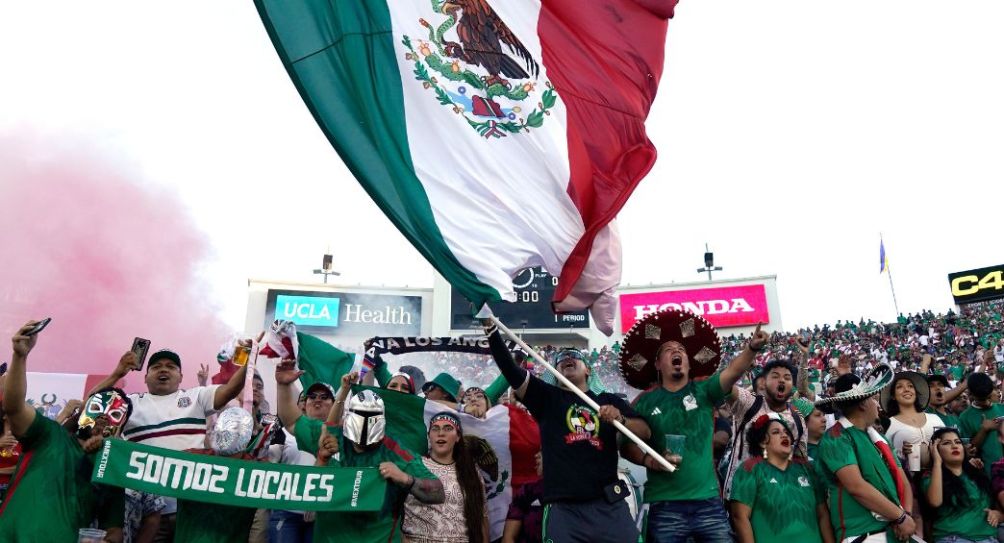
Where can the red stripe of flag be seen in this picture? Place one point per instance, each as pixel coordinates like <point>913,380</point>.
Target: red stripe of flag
<point>604,58</point>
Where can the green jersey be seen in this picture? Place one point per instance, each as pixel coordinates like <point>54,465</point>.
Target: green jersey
<point>969,424</point>
<point>948,420</point>
<point>969,522</point>
<point>51,496</point>
<point>842,447</point>
<point>382,526</point>
<point>782,502</point>
<point>812,449</point>
<point>689,412</point>
<point>198,522</point>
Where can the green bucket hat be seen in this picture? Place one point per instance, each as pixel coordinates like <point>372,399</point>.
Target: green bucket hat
<point>446,382</point>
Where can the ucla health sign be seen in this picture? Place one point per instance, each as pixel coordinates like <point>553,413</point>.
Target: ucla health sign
<point>346,313</point>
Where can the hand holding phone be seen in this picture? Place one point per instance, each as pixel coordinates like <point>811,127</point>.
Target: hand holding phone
<point>141,347</point>
<point>39,326</point>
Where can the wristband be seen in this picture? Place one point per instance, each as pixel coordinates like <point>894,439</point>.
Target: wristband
<point>901,519</point>
<point>411,484</point>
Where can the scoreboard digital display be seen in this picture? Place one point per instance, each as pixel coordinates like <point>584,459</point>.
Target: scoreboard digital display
<point>532,308</point>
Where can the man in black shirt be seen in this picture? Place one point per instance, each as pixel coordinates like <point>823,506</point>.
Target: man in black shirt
<point>583,497</point>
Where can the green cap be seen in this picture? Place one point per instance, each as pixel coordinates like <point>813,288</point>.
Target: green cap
<point>446,382</point>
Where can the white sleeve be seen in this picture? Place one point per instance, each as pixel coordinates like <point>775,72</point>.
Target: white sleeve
<point>207,397</point>
<point>741,402</point>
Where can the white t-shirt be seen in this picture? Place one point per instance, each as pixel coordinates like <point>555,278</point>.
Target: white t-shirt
<point>740,404</point>
<point>172,421</point>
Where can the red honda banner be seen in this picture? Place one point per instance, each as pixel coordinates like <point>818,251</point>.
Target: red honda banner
<point>723,307</point>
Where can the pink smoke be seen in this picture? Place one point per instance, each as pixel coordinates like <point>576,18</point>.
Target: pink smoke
<point>107,257</point>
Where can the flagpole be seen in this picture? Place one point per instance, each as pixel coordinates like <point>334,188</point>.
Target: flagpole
<point>582,395</point>
<point>889,272</point>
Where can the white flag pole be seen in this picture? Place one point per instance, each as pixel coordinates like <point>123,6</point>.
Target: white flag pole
<point>582,395</point>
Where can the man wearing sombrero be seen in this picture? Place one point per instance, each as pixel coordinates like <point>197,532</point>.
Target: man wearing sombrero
<point>583,498</point>
<point>673,355</point>
<point>865,481</point>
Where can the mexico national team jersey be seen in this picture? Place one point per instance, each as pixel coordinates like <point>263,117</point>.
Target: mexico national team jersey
<point>783,503</point>
<point>51,496</point>
<point>172,421</point>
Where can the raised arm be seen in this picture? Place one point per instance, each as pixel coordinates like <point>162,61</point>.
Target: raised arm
<point>803,371</point>
<point>289,413</point>
<point>231,389</point>
<point>338,407</point>
<point>517,377</point>
<point>744,361</point>
<point>20,415</point>
<point>126,364</point>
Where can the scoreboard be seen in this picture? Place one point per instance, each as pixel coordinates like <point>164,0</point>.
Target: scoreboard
<point>532,309</point>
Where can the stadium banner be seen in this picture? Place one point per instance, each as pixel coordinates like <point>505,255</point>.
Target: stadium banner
<point>978,285</point>
<point>723,307</point>
<point>228,481</point>
<point>405,345</point>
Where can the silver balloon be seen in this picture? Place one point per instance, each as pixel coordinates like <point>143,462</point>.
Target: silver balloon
<point>232,432</point>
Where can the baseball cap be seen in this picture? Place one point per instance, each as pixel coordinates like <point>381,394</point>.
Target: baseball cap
<point>165,353</point>
<point>320,387</point>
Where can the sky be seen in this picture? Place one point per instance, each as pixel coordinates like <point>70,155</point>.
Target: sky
<point>790,135</point>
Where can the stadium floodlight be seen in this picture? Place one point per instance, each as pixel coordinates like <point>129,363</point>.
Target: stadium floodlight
<point>326,268</point>
<point>709,263</point>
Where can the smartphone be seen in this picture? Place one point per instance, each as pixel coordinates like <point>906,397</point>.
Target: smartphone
<point>998,420</point>
<point>141,347</point>
<point>39,326</point>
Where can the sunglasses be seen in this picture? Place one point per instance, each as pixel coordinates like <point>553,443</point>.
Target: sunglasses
<point>319,396</point>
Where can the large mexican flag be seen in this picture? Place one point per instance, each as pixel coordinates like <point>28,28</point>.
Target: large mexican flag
<point>497,135</point>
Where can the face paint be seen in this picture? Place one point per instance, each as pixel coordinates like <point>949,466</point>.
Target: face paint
<point>111,405</point>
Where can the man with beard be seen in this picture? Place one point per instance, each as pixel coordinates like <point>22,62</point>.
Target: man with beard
<point>747,406</point>
<point>673,355</point>
<point>52,496</point>
<point>583,497</point>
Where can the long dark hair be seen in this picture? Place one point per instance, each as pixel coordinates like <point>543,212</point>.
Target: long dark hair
<point>472,487</point>
<point>953,490</point>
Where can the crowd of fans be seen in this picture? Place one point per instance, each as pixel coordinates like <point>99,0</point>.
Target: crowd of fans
<point>792,414</point>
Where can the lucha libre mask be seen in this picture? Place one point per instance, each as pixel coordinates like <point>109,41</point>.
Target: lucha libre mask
<point>112,404</point>
<point>364,421</point>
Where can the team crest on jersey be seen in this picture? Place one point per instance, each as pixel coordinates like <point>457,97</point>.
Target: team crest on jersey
<point>803,480</point>
<point>184,402</point>
<point>583,425</point>
<point>477,66</point>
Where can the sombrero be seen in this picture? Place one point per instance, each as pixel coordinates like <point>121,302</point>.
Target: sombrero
<point>919,384</point>
<point>872,384</point>
<point>642,342</point>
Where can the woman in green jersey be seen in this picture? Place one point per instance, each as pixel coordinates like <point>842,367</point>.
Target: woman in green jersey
<point>959,493</point>
<point>776,498</point>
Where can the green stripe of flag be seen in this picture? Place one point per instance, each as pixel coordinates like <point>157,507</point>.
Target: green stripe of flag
<point>341,57</point>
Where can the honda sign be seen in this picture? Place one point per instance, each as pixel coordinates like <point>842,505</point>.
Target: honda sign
<point>723,307</point>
